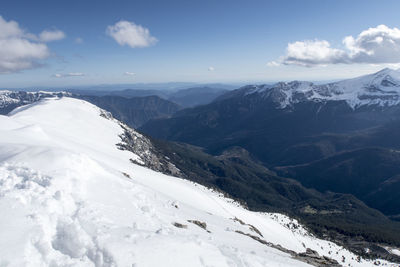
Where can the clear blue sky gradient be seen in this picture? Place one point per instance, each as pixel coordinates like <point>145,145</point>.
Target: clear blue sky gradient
<point>235,37</point>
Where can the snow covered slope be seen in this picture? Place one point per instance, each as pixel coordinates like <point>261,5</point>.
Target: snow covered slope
<point>70,197</point>
<point>381,88</point>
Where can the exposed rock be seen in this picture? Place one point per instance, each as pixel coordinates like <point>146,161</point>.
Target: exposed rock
<point>179,225</point>
<point>310,256</point>
<point>140,145</point>
<point>200,224</point>
<point>251,227</point>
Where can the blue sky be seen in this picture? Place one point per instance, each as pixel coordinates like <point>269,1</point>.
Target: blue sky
<point>196,41</point>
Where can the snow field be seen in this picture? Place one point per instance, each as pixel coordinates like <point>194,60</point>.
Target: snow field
<point>66,201</point>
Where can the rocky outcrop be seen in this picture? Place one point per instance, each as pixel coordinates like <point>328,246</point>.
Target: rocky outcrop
<point>312,257</point>
<point>144,149</point>
<point>309,256</point>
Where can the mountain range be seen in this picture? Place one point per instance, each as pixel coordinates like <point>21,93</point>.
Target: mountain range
<point>344,132</point>
<point>381,88</point>
<point>184,97</point>
<point>325,154</point>
<point>75,194</point>
<point>133,106</point>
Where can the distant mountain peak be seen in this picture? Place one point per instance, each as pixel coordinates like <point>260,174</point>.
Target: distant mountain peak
<point>381,88</point>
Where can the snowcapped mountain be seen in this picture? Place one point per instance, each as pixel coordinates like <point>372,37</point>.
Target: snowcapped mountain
<point>71,195</point>
<point>134,111</point>
<point>12,99</point>
<point>381,88</point>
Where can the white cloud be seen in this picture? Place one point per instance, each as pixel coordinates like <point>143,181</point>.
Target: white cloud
<point>211,69</point>
<point>76,74</point>
<point>129,73</point>
<point>375,45</point>
<point>49,36</point>
<point>9,29</point>
<point>71,74</point>
<point>131,34</point>
<point>273,64</point>
<point>78,40</point>
<point>378,45</point>
<point>18,49</point>
<point>309,53</point>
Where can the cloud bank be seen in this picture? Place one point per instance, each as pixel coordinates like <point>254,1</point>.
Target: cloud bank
<point>71,74</point>
<point>377,45</point>
<point>128,73</point>
<point>21,50</point>
<point>131,34</point>
<point>49,36</point>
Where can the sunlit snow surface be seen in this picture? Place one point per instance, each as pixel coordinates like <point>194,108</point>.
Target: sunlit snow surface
<point>64,201</point>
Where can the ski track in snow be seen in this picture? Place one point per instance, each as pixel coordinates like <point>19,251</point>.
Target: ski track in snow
<point>65,201</point>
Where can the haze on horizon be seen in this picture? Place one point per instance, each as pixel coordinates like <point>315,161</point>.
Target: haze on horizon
<point>78,43</point>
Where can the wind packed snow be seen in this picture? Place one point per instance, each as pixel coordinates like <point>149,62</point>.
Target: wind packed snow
<point>69,197</point>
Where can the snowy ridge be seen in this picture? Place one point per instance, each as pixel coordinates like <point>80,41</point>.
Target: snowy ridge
<point>8,98</point>
<point>381,88</point>
<point>73,198</point>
